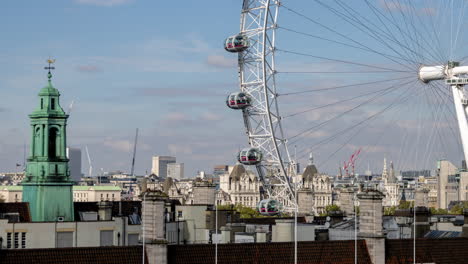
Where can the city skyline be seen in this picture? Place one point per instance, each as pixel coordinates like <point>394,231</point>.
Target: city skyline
<point>122,72</point>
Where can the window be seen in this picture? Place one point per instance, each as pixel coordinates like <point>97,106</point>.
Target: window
<point>52,103</point>
<point>16,240</point>
<point>179,214</point>
<point>132,239</point>
<point>64,239</point>
<point>107,238</point>
<point>42,103</point>
<point>53,138</point>
<point>8,240</point>
<point>23,240</point>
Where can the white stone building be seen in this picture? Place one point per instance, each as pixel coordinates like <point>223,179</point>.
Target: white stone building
<point>240,186</point>
<point>391,188</point>
<point>12,194</point>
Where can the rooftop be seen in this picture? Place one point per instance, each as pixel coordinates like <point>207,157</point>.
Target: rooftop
<point>313,252</point>
<point>101,255</point>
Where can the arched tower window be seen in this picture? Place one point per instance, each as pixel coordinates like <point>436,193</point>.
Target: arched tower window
<point>52,103</point>
<point>42,103</point>
<point>53,140</point>
<point>37,147</point>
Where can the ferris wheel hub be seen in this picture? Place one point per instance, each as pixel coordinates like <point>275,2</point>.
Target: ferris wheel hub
<point>451,71</point>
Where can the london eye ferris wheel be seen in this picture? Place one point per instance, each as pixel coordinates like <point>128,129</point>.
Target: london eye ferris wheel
<point>386,67</point>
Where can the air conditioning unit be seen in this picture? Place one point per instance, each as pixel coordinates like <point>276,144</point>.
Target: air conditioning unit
<point>60,219</point>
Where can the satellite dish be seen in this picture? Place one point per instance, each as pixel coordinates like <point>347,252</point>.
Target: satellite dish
<point>328,218</point>
<point>327,225</point>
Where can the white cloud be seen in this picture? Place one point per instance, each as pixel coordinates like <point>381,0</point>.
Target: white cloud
<point>220,61</point>
<point>210,116</point>
<point>120,145</point>
<point>177,149</point>
<point>103,2</point>
<point>124,145</point>
<point>176,116</point>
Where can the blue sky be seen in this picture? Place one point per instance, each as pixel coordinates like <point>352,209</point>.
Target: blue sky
<point>160,66</point>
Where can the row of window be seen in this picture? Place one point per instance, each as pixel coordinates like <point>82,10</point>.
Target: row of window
<point>13,240</point>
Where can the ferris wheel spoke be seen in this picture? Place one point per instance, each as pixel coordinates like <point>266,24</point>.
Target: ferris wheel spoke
<point>399,100</point>
<point>375,33</point>
<point>348,140</point>
<point>345,86</point>
<point>333,31</point>
<point>362,47</point>
<point>336,60</point>
<point>336,103</point>
<point>349,110</point>
<point>344,36</point>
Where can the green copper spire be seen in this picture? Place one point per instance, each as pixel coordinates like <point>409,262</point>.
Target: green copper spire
<point>46,186</point>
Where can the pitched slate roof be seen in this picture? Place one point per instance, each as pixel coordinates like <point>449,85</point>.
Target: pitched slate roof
<point>440,251</point>
<point>21,208</point>
<point>309,172</point>
<point>101,255</point>
<point>313,252</point>
<point>237,172</point>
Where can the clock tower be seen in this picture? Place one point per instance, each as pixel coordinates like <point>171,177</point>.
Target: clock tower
<point>47,186</point>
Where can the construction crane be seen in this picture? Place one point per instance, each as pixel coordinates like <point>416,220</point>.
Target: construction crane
<point>70,107</point>
<point>134,153</point>
<point>90,172</point>
<point>351,162</point>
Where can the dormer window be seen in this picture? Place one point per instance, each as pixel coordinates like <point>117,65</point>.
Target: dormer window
<point>52,103</point>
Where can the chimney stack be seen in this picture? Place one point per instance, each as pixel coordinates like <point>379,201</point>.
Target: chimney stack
<point>421,221</point>
<point>465,224</point>
<point>370,223</point>
<point>153,227</point>
<point>105,211</point>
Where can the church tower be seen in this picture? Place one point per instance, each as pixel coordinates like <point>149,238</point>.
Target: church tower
<point>46,186</point>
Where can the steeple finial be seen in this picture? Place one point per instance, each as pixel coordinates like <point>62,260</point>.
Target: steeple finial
<point>311,159</point>
<point>50,62</point>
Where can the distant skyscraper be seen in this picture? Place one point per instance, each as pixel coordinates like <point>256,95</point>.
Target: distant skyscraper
<point>74,155</point>
<point>159,167</point>
<point>175,170</point>
<point>220,170</point>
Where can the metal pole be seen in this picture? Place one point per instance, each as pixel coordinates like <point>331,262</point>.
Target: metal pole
<point>295,224</point>
<point>355,228</point>
<point>216,231</point>
<point>143,229</point>
<point>414,226</point>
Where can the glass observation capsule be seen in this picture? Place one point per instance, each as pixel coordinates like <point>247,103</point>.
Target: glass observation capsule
<point>269,207</point>
<point>250,156</point>
<point>237,43</point>
<point>238,100</point>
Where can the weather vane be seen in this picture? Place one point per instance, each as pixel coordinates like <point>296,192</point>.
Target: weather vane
<point>50,61</point>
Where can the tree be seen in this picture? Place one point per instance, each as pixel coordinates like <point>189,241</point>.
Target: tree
<point>439,211</point>
<point>2,200</point>
<point>405,205</point>
<point>390,210</point>
<point>331,208</point>
<point>244,211</point>
<point>458,208</point>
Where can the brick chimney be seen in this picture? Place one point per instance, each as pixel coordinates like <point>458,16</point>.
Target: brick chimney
<point>465,224</point>
<point>105,211</point>
<point>422,221</point>
<point>153,227</point>
<point>370,223</point>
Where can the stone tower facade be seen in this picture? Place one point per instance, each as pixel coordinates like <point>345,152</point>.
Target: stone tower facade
<point>47,187</point>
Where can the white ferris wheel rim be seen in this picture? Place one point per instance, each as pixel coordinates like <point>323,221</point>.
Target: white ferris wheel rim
<point>258,22</point>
